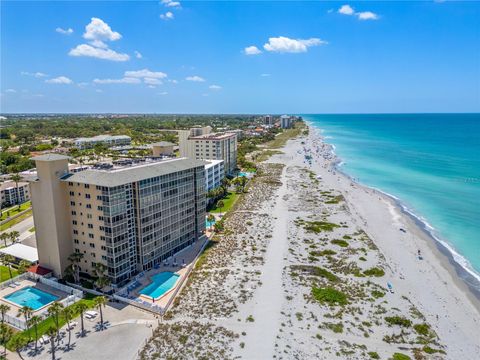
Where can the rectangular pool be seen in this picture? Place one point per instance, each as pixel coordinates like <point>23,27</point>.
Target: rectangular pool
<point>161,284</point>
<point>31,297</point>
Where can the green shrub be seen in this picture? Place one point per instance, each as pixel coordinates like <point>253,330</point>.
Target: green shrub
<point>375,271</point>
<point>250,318</point>
<point>377,294</point>
<point>398,320</point>
<point>400,356</point>
<point>325,252</point>
<point>373,355</point>
<point>422,329</point>
<point>319,226</point>
<point>341,243</point>
<point>329,296</point>
<point>336,328</point>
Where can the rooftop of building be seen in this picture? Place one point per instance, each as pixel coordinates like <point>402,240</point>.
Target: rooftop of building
<point>211,163</point>
<point>163,143</point>
<point>213,136</point>
<point>50,157</point>
<point>103,138</point>
<point>11,184</point>
<point>124,173</point>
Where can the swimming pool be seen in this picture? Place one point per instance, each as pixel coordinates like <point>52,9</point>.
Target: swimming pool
<point>161,283</point>
<point>31,297</point>
<point>209,224</point>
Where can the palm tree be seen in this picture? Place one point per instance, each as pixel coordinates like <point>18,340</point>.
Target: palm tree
<point>75,259</point>
<point>23,266</point>
<point>17,178</point>
<point>6,333</point>
<point>18,343</point>
<point>26,312</point>
<point>81,307</point>
<point>99,302</point>
<point>4,237</point>
<point>54,311</point>
<point>102,282</point>
<point>68,313</point>
<point>14,236</point>
<point>51,332</point>
<point>3,310</point>
<point>8,261</point>
<point>34,321</point>
<point>220,204</point>
<point>225,185</point>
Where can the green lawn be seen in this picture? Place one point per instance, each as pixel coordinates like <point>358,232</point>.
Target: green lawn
<point>49,322</point>
<point>228,202</point>
<point>13,210</point>
<point>15,221</point>
<point>4,273</point>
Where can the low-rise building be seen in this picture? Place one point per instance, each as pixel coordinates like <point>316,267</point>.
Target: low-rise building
<point>214,174</point>
<point>108,140</point>
<point>10,195</point>
<point>128,218</point>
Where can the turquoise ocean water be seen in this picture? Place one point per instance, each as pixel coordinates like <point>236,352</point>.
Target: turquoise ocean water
<point>430,162</point>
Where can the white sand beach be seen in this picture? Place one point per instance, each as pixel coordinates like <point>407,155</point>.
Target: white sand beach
<point>301,228</point>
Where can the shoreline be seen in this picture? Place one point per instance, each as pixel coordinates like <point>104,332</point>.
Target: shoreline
<point>466,278</point>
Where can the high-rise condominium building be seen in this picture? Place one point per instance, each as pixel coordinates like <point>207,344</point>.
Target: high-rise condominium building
<point>199,143</point>
<point>127,217</point>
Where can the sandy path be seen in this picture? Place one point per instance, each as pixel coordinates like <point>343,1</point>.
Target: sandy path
<point>267,301</point>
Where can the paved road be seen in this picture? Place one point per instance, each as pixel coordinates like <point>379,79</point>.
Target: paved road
<point>26,237</point>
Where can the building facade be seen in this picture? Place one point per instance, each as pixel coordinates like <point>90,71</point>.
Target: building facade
<point>286,122</point>
<point>210,146</point>
<point>128,218</point>
<point>10,196</point>
<point>108,140</point>
<point>162,148</point>
<point>214,174</point>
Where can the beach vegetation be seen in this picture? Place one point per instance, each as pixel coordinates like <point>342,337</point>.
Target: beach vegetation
<point>377,294</point>
<point>250,318</point>
<point>398,320</point>
<point>361,258</point>
<point>317,226</point>
<point>316,271</point>
<point>373,355</point>
<point>375,271</point>
<point>341,243</point>
<point>335,327</point>
<point>326,252</point>
<point>329,295</point>
<point>422,329</point>
<point>400,356</point>
<point>427,349</point>
<point>334,199</point>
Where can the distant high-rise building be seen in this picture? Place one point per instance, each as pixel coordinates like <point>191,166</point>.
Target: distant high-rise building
<point>108,140</point>
<point>209,146</point>
<point>128,218</point>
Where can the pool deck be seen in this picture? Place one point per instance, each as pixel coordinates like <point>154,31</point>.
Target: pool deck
<point>188,255</point>
<point>23,284</point>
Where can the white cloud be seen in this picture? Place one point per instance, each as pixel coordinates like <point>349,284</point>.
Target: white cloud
<point>171,3</point>
<point>59,80</point>
<point>367,15</point>
<point>100,30</point>
<point>36,74</point>
<point>91,51</point>
<point>283,44</point>
<point>346,10</point>
<point>152,81</point>
<point>167,16</point>
<point>215,87</point>
<point>82,84</point>
<point>145,73</point>
<point>68,31</point>
<point>173,81</point>
<point>13,91</point>
<point>265,75</point>
<point>138,55</point>
<point>195,78</point>
<point>125,80</point>
<point>363,15</point>
<point>163,93</point>
<point>252,50</point>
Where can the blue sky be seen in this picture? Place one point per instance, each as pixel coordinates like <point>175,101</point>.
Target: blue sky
<point>240,57</point>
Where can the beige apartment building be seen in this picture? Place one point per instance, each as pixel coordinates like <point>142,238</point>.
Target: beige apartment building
<point>129,217</point>
<point>200,143</point>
